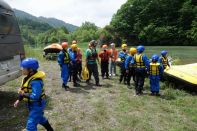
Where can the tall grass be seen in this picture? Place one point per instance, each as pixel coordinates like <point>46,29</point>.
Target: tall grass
<point>34,52</point>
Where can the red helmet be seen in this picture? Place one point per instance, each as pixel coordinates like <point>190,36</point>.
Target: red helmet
<point>104,47</point>
<point>65,45</point>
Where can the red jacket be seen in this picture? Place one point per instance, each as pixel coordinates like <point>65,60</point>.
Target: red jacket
<point>104,55</point>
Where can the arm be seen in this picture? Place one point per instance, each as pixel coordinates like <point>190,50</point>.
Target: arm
<point>146,61</point>
<point>127,61</point>
<point>161,69</point>
<point>60,58</point>
<point>86,55</point>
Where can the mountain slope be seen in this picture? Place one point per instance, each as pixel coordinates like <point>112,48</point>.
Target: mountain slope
<point>51,21</point>
<point>58,23</point>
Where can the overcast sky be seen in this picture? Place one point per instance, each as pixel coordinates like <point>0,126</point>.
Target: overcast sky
<point>71,11</point>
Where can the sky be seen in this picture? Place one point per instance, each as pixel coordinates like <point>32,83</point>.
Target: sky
<point>74,12</point>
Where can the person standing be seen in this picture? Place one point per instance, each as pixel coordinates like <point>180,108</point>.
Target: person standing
<point>113,58</point>
<point>164,60</point>
<point>155,71</point>
<point>64,61</point>
<point>91,58</point>
<point>130,66</point>
<point>73,63</point>
<point>122,55</point>
<point>79,62</point>
<point>104,56</point>
<point>141,63</point>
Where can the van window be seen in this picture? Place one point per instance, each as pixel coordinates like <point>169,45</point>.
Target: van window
<point>8,23</point>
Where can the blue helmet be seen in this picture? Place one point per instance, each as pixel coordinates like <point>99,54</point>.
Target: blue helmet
<point>155,58</point>
<point>164,52</point>
<point>30,63</point>
<point>140,48</point>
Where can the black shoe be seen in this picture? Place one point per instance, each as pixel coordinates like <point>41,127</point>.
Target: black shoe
<point>63,85</point>
<point>66,87</point>
<point>47,126</point>
<point>152,94</point>
<point>76,84</point>
<point>97,84</point>
<point>157,94</point>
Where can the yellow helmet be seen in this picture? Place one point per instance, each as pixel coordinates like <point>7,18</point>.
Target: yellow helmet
<point>133,51</point>
<point>74,47</point>
<point>124,46</point>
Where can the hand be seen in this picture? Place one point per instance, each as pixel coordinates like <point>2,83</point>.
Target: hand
<point>21,92</point>
<point>16,103</point>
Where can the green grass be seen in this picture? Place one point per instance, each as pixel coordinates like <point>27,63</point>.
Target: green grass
<point>112,107</point>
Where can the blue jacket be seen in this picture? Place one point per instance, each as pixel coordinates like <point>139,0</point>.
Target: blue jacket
<point>122,55</point>
<point>129,60</point>
<point>36,86</point>
<point>73,57</point>
<point>61,57</point>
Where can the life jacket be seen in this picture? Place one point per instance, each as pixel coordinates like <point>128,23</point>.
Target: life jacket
<point>66,57</point>
<point>164,61</point>
<point>123,56</point>
<point>154,68</point>
<point>93,55</point>
<point>139,63</point>
<point>26,87</point>
<point>104,56</point>
<point>113,55</point>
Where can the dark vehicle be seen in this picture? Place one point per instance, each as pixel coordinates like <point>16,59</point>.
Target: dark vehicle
<point>11,46</point>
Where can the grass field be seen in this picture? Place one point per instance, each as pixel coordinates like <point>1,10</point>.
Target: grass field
<point>111,107</point>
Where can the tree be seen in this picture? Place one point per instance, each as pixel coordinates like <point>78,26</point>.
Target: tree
<point>163,22</point>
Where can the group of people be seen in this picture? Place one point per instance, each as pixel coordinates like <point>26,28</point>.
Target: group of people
<point>70,61</point>
<point>132,63</point>
<point>135,63</point>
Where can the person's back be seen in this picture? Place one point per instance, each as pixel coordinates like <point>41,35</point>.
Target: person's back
<point>155,70</point>
<point>141,64</point>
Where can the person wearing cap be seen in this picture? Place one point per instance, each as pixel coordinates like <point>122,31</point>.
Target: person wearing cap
<point>104,56</point>
<point>123,55</point>
<point>130,66</point>
<point>113,58</point>
<point>91,61</point>
<point>141,64</point>
<point>64,61</point>
<point>33,94</point>
<point>155,71</point>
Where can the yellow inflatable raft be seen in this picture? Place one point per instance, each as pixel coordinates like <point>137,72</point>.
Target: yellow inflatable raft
<point>184,73</point>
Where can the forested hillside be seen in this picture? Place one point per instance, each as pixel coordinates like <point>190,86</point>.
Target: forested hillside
<point>157,22</point>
